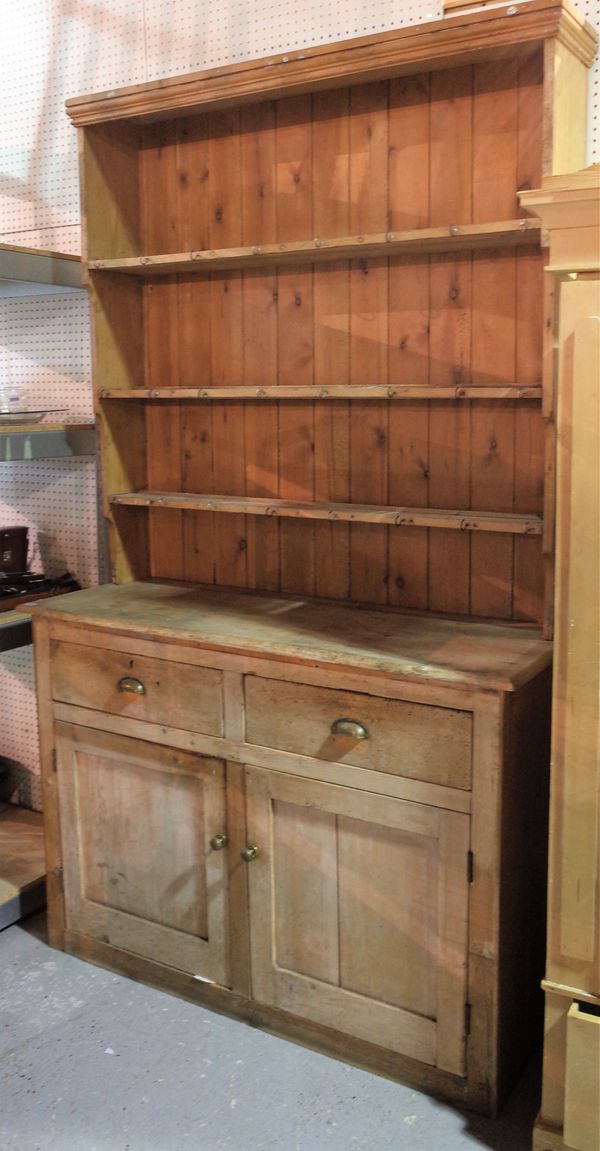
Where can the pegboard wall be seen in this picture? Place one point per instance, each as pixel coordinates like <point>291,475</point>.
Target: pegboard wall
<point>591,10</point>
<point>45,351</point>
<point>19,747</point>
<point>44,341</point>
<point>56,499</point>
<point>187,35</point>
<point>54,49</point>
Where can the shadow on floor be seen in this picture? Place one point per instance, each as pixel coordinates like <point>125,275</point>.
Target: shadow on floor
<point>91,1061</point>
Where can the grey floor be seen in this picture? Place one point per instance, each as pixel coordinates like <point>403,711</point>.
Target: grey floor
<point>90,1061</point>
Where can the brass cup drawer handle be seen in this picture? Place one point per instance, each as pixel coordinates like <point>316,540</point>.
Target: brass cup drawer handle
<point>129,685</point>
<point>249,853</point>
<point>349,727</point>
<point>218,842</point>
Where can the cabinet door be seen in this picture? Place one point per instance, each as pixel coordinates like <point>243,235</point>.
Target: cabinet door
<point>358,911</point>
<point>139,871</point>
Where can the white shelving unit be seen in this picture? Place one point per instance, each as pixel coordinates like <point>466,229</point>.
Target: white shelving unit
<point>35,272</point>
<point>46,442</point>
<point>24,273</point>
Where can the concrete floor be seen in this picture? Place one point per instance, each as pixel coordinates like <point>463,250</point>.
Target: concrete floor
<point>90,1061</point>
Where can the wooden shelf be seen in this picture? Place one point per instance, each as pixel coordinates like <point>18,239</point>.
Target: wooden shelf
<point>505,523</point>
<point>335,392</point>
<point>22,863</point>
<point>35,271</point>
<point>506,233</point>
<point>46,441</point>
<point>15,630</point>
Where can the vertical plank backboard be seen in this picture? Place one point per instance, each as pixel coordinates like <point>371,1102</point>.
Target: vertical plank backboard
<point>194,345</point>
<point>495,156</point>
<point>161,233</point>
<point>294,155</point>
<point>259,288</point>
<point>225,230</point>
<point>493,430</point>
<point>331,289</point>
<point>369,141</point>
<point>409,331</point>
<point>451,296</point>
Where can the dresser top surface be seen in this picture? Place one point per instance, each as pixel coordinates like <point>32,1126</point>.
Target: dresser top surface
<point>455,653</point>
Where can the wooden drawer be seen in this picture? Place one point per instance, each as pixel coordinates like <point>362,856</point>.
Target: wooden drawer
<point>432,744</point>
<point>178,694</point>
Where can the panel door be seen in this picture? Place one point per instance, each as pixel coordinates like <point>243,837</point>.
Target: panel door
<point>358,912</point>
<point>139,870</point>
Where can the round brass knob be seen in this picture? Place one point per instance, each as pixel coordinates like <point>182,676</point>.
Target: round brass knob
<point>350,728</point>
<point>129,685</point>
<point>249,853</point>
<point>218,842</point>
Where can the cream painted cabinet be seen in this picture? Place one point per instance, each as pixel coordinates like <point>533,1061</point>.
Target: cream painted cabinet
<point>358,914</point>
<point>140,873</point>
<point>569,1118</point>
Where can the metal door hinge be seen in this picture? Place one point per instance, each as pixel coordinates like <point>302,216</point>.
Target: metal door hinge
<point>467,1019</point>
<point>470,866</point>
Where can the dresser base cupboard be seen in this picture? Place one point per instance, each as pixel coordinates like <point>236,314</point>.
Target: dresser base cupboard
<point>336,837</point>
